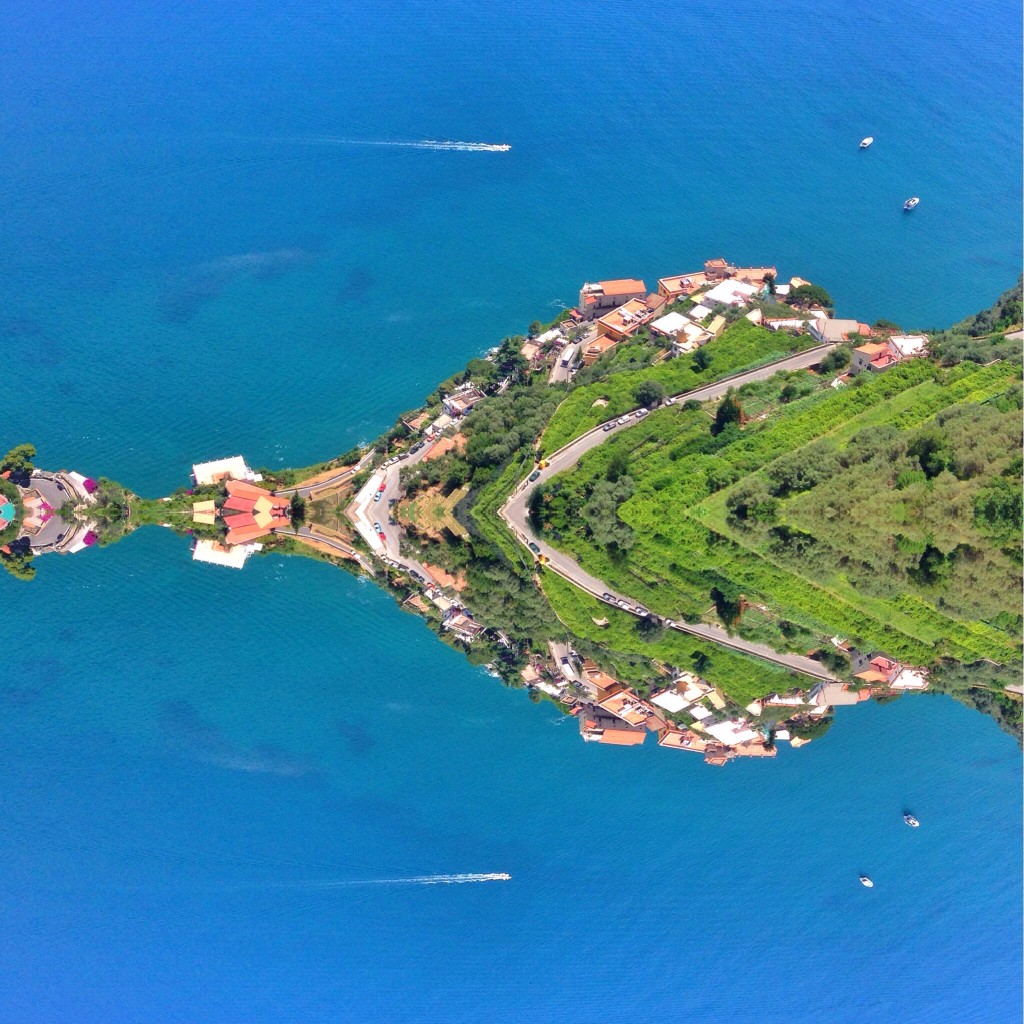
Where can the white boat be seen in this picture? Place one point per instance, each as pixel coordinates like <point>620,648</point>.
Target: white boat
<point>864,143</point>
<point>866,882</point>
<point>910,820</point>
<point>911,203</point>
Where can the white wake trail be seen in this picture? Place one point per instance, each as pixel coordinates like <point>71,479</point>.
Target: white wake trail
<point>440,145</point>
<point>495,876</point>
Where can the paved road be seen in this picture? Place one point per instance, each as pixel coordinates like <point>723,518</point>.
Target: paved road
<point>365,513</point>
<point>304,532</point>
<point>339,478</point>
<point>515,513</point>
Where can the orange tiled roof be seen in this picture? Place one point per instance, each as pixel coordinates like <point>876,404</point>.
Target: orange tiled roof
<point>241,519</point>
<point>622,286</point>
<point>622,737</point>
<point>239,504</point>
<point>244,535</point>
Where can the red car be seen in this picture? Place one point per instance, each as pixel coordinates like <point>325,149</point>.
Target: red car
<point>383,485</point>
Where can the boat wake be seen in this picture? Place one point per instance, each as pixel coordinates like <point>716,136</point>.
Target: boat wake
<point>496,876</point>
<point>440,145</point>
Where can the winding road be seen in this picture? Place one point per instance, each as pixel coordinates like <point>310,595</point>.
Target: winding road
<point>515,513</point>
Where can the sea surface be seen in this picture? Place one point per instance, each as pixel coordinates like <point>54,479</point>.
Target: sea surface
<point>195,763</point>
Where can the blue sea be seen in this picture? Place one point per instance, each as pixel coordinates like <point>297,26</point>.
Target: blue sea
<point>196,762</point>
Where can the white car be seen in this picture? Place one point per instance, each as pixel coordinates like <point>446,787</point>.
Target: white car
<point>624,419</point>
<point>642,413</point>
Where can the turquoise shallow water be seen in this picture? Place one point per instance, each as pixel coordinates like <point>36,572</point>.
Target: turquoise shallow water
<point>190,754</point>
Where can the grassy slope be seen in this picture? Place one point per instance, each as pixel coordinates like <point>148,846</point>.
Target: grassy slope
<point>742,679</point>
<point>743,346</point>
<point>676,559</point>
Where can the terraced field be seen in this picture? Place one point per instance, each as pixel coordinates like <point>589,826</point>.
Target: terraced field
<point>899,561</point>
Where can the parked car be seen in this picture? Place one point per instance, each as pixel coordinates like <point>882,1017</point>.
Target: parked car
<point>383,485</point>
<point>608,597</point>
<point>417,446</point>
<point>608,426</point>
<point>622,604</point>
<point>642,413</point>
<point>378,496</point>
<point>624,419</point>
<point>534,475</point>
<point>533,547</point>
<point>378,527</point>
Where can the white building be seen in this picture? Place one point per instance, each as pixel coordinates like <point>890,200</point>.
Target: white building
<point>909,345</point>
<point>910,679</point>
<point>670,324</point>
<point>670,700</point>
<point>731,733</point>
<point>234,556</point>
<point>234,468</point>
<point>730,293</point>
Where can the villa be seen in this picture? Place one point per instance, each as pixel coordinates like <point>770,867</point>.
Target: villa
<point>883,671</point>
<point>625,320</point>
<point>731,733</point>
<point>679,287</point>
<point>597,348</point>
<point>598,684</point>
<point>462,626</point>
<point>885,354</point>
<point>730,293</point>
<point>600,726</point>
<point>605,295</point>
<point>234,557</point>
<point>205,474</point>
<point>828,332</point>
<point>251,512</point>
<point>462,401</point>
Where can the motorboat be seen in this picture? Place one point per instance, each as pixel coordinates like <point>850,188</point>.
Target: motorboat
<point>866,882</point>
<point>911,203</point>
<point>864,143</point>
<point>910,820</point>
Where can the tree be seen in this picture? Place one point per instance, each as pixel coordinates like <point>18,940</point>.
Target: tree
<point>810,728</point>
<point>886,325</point>
<point>18,461</point>
<point>649,629</point>
<point>929,448</point>
<point>535,328</point>
<point>702,358</point>
<point>650,393</point>
<point>298,509</point>
<point>836,359</point>
<point>810,295</point>
<point>729,411</point>
<point>728,604</point>
<point>618,464</point>
<point>769,279</point>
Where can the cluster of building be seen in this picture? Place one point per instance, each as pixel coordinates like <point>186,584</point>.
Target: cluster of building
<point>688,713</point>
<point>455,617</point>
<point>43,528</point>
<point>619,308</point>
<point>609,711</point>
<point>247,511</point>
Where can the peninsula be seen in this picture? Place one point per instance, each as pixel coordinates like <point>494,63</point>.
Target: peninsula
<point>712,512</point>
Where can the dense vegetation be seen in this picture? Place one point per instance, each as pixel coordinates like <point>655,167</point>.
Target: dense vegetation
<point>887,511</point>
<point>982,337</point>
